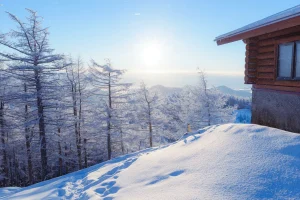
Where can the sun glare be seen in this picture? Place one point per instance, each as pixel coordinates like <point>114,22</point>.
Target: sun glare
<point>152,53</point>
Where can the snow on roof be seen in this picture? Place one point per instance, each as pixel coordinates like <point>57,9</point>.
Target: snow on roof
<point>231,161</point>
<point>281,16</point>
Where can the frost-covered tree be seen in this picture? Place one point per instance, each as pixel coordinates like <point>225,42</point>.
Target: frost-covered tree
<point>148,110</point>
<point>34,63</point>
<point>214,109</point>
<point>76,79</point>
<point>206,106</point>
<point>58,116</point>
<point>112,93</point>
<point>176,111</point>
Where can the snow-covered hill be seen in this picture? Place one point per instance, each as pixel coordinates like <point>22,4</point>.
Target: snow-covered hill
<point>232,161</point>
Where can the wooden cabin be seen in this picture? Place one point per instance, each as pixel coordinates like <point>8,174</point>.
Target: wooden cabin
<point>272,66</point>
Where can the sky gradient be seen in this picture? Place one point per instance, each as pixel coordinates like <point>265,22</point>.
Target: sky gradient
<point>123,30</point>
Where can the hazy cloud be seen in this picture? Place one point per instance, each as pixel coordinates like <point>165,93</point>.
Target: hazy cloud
<point>137,14</point>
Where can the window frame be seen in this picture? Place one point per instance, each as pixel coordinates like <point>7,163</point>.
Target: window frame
<point>295,61</point>
<point>293,76</point>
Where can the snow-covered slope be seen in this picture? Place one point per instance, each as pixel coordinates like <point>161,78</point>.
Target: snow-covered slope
<point>233,161</point>
<point>8,190</point>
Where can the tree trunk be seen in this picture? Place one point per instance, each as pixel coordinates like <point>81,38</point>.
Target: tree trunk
<point>4,153</point>
<point>29,158</point>
<point>66,156</point>
<point>28,142</point>
<point>208,107</point>
<point>77,133</point>
<point>150,124</point>
<point>79,114</point>
<point>108,139</point>
<point>15,172</point>
<point>42,134</point>
<point>109,119</point>
<point>122,143</point>
<point>85,154</point>
<point>150,134</point>
<point>60,161</point>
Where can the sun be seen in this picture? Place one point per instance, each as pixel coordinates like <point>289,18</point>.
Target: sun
<point>152,53</point>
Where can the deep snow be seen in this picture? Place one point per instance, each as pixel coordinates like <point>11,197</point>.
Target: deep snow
<point>232,161</point>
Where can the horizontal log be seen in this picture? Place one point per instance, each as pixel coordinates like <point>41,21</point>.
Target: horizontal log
<point>248,80</point>
<point>266,62</point>
<point>250,73</point>
<point>264,82</point>
<point>288,39</point>
<point>287,83</point>
<point>251,69</point>
<point>266,49</point>
<point>266,69</point>
<point>252,43</point>
<point>251,47</point>
<point>266,42</point>
<point>251,59</point>
<point>279,88</point>
<point>251,54</point>
<point>251,40</point>
<point>251,76</point>
<point>268,55</point>
<point>265,75</point>
<point>250,65</point>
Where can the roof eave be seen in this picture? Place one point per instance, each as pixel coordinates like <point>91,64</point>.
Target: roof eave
<point>295,21</point>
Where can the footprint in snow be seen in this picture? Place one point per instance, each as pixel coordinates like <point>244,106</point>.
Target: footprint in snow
<point>161,178</point>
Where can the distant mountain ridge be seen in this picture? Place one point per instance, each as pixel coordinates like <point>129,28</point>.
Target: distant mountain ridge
<point>160,89</point>
<point>237,93</point>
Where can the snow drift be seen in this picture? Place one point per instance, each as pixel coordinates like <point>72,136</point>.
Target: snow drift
<point>233,161</point>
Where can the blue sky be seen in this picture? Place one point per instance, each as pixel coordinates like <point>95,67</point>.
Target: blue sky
<point>177,34</point>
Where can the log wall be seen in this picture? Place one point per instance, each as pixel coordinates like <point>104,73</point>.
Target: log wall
<point>261,60</point>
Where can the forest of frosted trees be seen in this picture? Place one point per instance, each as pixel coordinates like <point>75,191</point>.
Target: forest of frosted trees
<point>60,114</point>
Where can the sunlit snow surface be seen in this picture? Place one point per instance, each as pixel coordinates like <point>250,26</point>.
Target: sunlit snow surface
<point>232,161</point>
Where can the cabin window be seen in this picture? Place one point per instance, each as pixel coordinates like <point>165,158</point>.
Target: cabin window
<point>285,60</point>
<point>289,61</point>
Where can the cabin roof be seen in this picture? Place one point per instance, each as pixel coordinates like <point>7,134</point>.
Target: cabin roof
<point>285,19</point>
